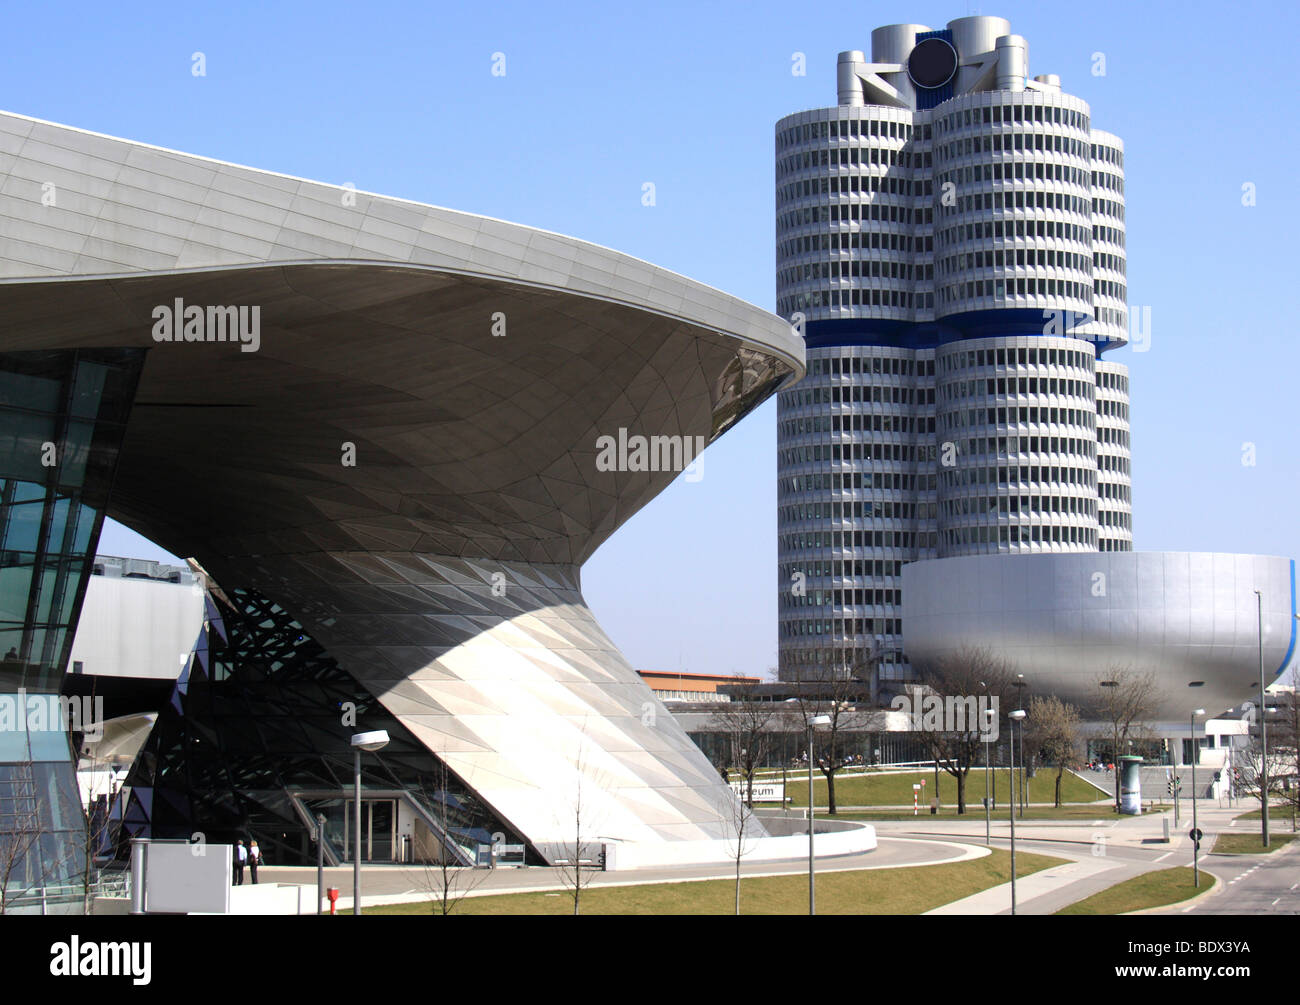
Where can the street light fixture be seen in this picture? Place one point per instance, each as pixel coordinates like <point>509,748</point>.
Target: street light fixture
<point>374,740</point>
<point>1017,716</point>
<point>1196,834</point>
<point>813,722</point>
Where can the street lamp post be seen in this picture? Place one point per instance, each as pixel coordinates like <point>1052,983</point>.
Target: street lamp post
<point>1196,839</point>
<point>1017,716</point>
<point>1263,723</point>
<point>320,861</point>
<point>374,740</point>
<point>1114,747</point>
<point>813,722</point>
<point>1024,774</point>
<point>988,728</point>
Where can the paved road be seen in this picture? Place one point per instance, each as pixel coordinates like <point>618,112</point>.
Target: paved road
<point>1110,850</point>
<point>1252,884</point>
<point>389,884</point>
<point>1100,853</point>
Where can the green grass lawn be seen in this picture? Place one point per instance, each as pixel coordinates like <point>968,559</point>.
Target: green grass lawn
<point>1277,814</point>
<point>1151,889</point>
<point>1247,843</point>
<point>975,813</point>
<point>886,788</point>
<point>909,890</point>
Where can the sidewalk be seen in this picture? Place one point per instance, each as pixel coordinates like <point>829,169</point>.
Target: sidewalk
<point>1045,892</point>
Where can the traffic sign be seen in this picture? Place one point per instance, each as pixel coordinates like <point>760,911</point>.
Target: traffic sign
<point>1195,834</point>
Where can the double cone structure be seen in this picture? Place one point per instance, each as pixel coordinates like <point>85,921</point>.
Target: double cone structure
<point>383,419</point>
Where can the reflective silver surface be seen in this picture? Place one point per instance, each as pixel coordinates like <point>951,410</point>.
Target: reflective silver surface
<point>1063,620</point>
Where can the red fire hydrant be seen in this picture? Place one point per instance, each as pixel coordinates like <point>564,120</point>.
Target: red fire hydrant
<point>333,894</point>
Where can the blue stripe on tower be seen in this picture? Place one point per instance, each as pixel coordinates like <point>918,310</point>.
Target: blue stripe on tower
<point>1290,650</point>
<point>1014,322</point>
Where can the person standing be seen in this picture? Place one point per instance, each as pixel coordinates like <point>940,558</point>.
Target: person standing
<point>241,857</point>
<point>254,859</point>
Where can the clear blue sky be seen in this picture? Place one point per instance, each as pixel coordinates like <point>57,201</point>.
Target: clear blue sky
<point>599,98</point>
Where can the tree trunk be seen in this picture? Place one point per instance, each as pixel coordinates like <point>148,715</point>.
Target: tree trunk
<point>961,793</point>
<point>830,792</point>
<point>1059,772</point>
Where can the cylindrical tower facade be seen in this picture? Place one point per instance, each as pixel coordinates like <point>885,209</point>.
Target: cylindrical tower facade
<point>1014,206</point>
<point>1114,488</point>
<point>950,241</point>
<point>1109,264</point>
<point>1016,424</point>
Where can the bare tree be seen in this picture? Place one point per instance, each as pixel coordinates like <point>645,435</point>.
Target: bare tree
<point>1052,729</point>
<point>1126,700</point>
<point>20,832</point>
<point>578,859</point>
<point>1288,740</point>
<point>747,724</point>
<point>445,876</point>
<point>1249,763</point>
<point>96,844</point>
<point>97,837</point>
<point>738,820</point>
<point>958,683</point>
<point>837,697</point>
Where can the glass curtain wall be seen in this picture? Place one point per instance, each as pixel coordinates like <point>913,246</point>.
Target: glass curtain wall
<point>62,418</point>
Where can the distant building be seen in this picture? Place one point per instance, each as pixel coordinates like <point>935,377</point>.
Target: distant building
<point>692,687</point>
<point>139,619</point>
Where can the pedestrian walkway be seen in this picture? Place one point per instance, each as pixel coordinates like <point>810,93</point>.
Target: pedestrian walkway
<point>1047,891</point>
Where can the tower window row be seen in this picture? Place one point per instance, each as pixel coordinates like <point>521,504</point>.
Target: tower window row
<point>850,129</point>
<point>810,160</point>
<point>848,626</point>
<point>998,143</point>
<point>854,568</point>
<point>1023,416</point>
<point>883,365</point>
<point>1012,113</point>
<point>857,184</point>
<point>855,213</point>
<point>1023,257</point>
<point>901,540</point>
<point>990,386</point>
<point>849,480</point>
<point>999,288</point>
<point>1015,356</point>
<point>977,202</point>
<point>906,453</point>
<point>809,244</point>
<point>988,230</point>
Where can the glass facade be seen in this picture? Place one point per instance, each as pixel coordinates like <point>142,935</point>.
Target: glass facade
<point>62,419</point>
<point>255,742</point>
